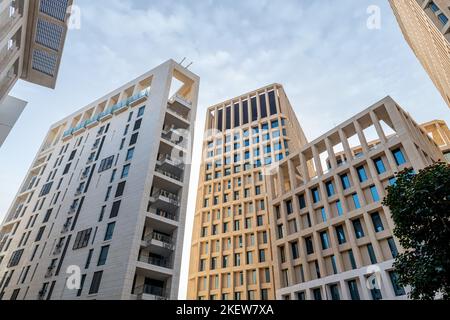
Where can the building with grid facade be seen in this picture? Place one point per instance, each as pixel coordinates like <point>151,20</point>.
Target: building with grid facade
<point>32,36</point>
<point>440,133</point>
<point>231,256</point>
<point>426,27</point>
<point>331,237</point>
<point>107,196</point>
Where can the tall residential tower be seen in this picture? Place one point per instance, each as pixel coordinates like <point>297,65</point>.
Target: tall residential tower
<point>231,255</point>
<point>32,36</point>
<point>106,195</point>
<point>426,27</point>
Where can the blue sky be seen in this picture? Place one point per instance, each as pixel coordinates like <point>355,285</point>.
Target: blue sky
<point>331,65</point>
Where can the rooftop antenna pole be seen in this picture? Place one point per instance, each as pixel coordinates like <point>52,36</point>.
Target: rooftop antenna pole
<point>190,64</point>
<point>182,61</point>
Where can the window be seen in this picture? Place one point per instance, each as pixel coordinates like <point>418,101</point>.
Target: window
<point>294,249</point>
<point>379,165</point>
<point>374,193</point>
<point>324,214</point>
<point>309,245</point>
<point>103,256</point>
<point>443,18</point>
<point>89,258</point>
<point>262,255</point>
<point>317,294</point>
<point>83,279</point>
<point>301,201</point>
<point>141,111</point>
<point>340,234</point>
<point>82,239</point>
<point>361,174</point>
<point>125,171</point>
<point>377,222</point>
<point>392,247</point>
<point>120,189</point>
<point>345,181</point>
<point>324,240</point>
<point>334,290</point>
<point>371,253</point>
<point>109,231</point>
<point>137,124</point>
<point>359,232</point>
<point>399,157</point>
<point>289,207</point>
<point>330,188</point>
<point>130,154</point>
<point>339,208</point>
<point>39,234</point>
<point>115,209</point>
<point>351,257</point>
<point>356,201</point>
<point>46,189</point>
<point>106,164</point>
<point>315,195</point>
<point>399,290</point>
<point>95,284</point>
<point>15,258</point>
<point>134,138</point>
<point>353,288</point>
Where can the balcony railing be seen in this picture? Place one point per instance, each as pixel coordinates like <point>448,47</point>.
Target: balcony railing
<point>159,262</point>
<point>49,272</point>
<point>65,227</point>
<point>108,112</point>
<point>168,174</point>
<point>41,294</point>
<point>169,160</point>
<point>166,214</point>
<point>159,237</point>
<point>171,198</point>
<point>152,292</point>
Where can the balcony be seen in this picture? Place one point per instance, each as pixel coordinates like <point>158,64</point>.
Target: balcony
<point>50,271</point>
<point>8,18</point>
<point>166,163</point>
<point>159,240</point>
<point>7,82</point>
<point>106,114</point>
<point>156,261</point>
<point>58,249</point>
<point>41,294</point>
<point>149,292</point>
<point>65,227</point>
<point>165,200</point>
<point>176,118</point>
<point>7,54</point>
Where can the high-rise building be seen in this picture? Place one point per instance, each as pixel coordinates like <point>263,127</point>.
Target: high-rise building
<point>426,27</point>
<point>440,133</point>
<point>231,257</point>
<point>332,238</point>
<point>32,36</point>
<point>106,196</point>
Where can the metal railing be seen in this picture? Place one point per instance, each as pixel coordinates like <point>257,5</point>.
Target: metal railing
<point>107,112</point>
<point>159,262</point>
<point>158,293</point>
<point>168,174</point>
<point>173,198</point>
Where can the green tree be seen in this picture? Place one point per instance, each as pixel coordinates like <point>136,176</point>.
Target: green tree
<point>420,207</point>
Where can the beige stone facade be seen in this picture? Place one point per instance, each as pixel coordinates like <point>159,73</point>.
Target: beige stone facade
<point>426,27</point>
<point>231,257</point>
<point>331,237</point>
<point>440,133</point>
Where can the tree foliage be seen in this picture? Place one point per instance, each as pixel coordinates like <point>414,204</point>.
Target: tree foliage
<point>420,207</point>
